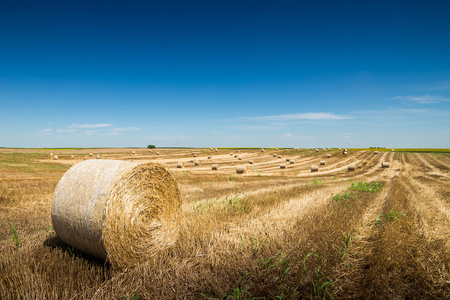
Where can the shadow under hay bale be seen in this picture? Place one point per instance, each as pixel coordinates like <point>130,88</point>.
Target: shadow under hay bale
<point>117,211</point>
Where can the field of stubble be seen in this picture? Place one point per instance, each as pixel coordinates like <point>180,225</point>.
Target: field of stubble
<point>372,233</point>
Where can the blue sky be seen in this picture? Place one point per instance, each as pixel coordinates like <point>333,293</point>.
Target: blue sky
<point>225,73</point>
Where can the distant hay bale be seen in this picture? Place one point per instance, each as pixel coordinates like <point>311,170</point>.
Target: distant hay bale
<point>292,162</point>
<point>239,158</point>
<point>157,153</point>
<point>119,211</point>
<point>262,150</point>
<point>235,155</point>
<point>322,163</point>
<point>317,150</point>
<point>214,167</point>
<point>375,152</point>
<point>314,168</point>
<point>250,162</point>
<point>133,152</point>
<point>55,157</point>
<point>197,163</point>
<point>98,156</point>
<point>344,153</point>
<point>180,165</point>
<point>274,155</point>
<point>231,154</point>
<point>241,169</point>
<point>392,150</point>
<point>328,155</point>
<point>288,159</point>
<point>72,156</point>
<point>279,156</point>
<point>195,155</point>
<point>276,149</point>
<point>90,154</point>
<point>51,154</point>
<point>191,161</point>
<point>237,151</point>
<point>283,166</point>
<point>216,150</point>
<point>209,157</point>
<point>149,150</point>
<point>385,164</point>
<point>351,167</point>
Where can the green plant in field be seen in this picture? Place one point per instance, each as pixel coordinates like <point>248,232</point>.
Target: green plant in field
<point>342,196</point>
<point>15,238</point>
<point>317,181</point>
<point>311,254</point>
<point>347,239</point>
<point>366,187</point>
<point>392,215</point>
<point>134,297</point>
<point>322,287</point>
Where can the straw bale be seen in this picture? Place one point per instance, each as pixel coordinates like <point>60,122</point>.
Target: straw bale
<point>317,150</point>
<point>241,169</point>
<point>292,162</point>
<point>133,152</point>
<point>375,152</point>
<point>385,164</point>
<point>351,167</point>
<point>157,153</point>
<point>314,168</point>
<point>322,163</point>
<point>51,154</point>
<point>90,154</point>
<point>191,161</point>
<point>197,163</point>
<point>237,151</point>
<point>180,165</point>
<point>55,157</point>
<point>209,157</point>
<point>328,155</point>
<point>215,167</point>
<point>149,150</point>
<point>250,162</point>
<point>283,166</point>
<point>216,150</point>
<point>274,155</point>
<point>195,155</point>
<point>98,156</point>
<point>239,158</point>
<point>235,155</point>
<point>279,156</point>
<point>392,150</point>
<point>119,211</point>
<point>288,159</point>
<point>72,156</point>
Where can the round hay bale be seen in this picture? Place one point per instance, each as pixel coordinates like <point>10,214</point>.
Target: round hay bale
<point>279,156</point>
<point>385,164</point>
<point>351,167</point>
<point>216,150</point>
<point>288,159</point>
<point>262,150</point>
<point>239,158</point>
<point>72,156</point>
<point>231,154</point>
<point>51,154</point>
<point>118,211</point>
<point>322,163</point>
<point>314,168</point>
<point>241,169</point>
<point>157,153</point>
<point>344,153</point>
<point>283,166</point>
<point>375,152</point>
<point>209,157</point>
<point>274,155</point>
<point>317,150</point>
<point>276,149</point>
<point>180,165</point>
<point>55,157</point>
<point>237,151</point>
<point>191,161</point>
<point>133,152</point>
<point>195,155</point>
<point>197,163</point>
<point>90,154</point>
<point>250,162</point>
<point>392,150</point>
<point>328,155</point>
<point>214,167</point>
<point>150,150</point>
<point>98,156</point>
<point>292,162</point>
<point>235,155</point>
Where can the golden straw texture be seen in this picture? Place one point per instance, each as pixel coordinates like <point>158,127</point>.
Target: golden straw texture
<point>116,210</point>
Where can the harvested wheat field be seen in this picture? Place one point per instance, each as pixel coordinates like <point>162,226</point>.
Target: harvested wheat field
<point>269,233</point>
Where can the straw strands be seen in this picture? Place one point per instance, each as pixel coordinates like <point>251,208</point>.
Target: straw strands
<point>117,210</point>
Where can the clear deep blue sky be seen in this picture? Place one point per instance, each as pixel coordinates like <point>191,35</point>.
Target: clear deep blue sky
<point>225,73</point>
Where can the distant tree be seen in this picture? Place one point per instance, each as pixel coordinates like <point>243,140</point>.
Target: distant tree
<point>151,146</point>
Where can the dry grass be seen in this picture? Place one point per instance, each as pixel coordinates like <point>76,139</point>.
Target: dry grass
<point>290,235</point>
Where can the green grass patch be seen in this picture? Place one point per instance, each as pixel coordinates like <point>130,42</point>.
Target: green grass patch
<point>366,187</point>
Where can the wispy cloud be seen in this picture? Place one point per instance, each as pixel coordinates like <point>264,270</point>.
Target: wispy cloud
<point>120,129</point>
<point>438,86</point>
<point>424,99</point>
<point>90,126</point>
<point>288,135</point>
<point>299,116</point>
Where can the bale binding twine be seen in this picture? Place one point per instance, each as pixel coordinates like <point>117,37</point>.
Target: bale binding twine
<point>119,211</point>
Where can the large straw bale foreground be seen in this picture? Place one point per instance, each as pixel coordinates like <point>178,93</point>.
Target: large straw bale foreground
<point>115,210</point>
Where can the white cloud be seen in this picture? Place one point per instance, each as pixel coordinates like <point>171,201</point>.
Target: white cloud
<point>125,129</point>
<point>70,130</point>
<point>424,99</point>
<point>47,130</point>
<point>287,135</point>
<point>89,126</point>
<point>300,116</point>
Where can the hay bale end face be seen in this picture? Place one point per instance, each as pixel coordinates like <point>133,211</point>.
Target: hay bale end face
<point>215,167</point>
<point>117,210</point>
<point>351,167</point>
<point>241,169</point>
<point>385,164</point>
<point>314,168</point>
